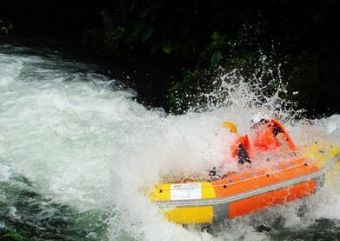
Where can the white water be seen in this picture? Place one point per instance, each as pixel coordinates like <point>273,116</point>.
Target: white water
<point>88,146</point>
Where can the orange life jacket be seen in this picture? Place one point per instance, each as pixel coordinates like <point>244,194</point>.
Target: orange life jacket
<point>287,138</point>
<point>265,136</point>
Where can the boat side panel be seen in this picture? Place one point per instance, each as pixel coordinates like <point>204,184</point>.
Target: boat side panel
<point>256,203</point>
<point>320,153</point>
<point>236,184</point>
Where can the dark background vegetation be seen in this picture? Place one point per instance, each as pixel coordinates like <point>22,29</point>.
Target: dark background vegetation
<point>170,50</point>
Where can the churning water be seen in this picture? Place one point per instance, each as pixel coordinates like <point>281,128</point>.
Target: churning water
<point>76,151</point>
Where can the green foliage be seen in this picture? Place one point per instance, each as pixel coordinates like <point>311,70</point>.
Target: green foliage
<point>167,48</point>
<point>156,28</point>
<point>213,54</point>
<point>164,30</point>
<point>187,93</point>
<point>219,52</point>
<point>132,29</point>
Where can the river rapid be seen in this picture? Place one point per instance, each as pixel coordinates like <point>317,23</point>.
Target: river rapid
<point>77,151</point>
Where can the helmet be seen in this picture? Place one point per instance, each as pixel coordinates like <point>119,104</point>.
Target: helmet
<point>255,119</point>
<point>259,119</point>
<point>230,126</point>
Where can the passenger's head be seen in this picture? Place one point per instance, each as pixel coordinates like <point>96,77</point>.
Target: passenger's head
<point>258,121</point>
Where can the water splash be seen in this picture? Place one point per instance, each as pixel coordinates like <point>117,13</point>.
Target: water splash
<point>83,142</point>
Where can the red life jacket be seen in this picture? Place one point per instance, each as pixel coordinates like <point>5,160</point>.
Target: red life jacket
<point>288,139</point>
<point>265,136</point>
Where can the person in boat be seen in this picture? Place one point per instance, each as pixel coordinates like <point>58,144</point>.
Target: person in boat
<point>241,148</point>
<point>267,135</point>
<point>270,135</point>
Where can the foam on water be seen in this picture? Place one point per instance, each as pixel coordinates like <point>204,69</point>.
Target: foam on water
<point>84,143</point>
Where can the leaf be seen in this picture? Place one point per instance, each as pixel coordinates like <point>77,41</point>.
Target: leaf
<point>215,36</point>
<point>167,48</point>
<point>147,33</point>
<point>216,58</point>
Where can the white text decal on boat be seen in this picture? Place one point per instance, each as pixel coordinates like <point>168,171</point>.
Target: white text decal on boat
<point>186,191</point>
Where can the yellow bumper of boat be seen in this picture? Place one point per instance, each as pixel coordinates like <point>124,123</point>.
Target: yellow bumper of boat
<point>190,215</point>
<point>186,215</point>
<point>320,153</point>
